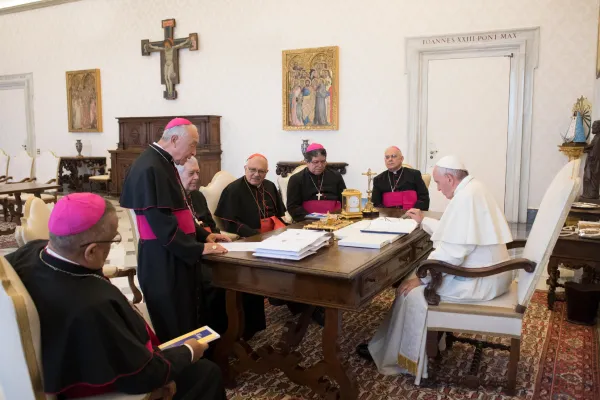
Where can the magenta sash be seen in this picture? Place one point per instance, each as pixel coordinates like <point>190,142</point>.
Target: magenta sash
<point>321,206</point>
<point>405,199</point>
<point>185,220</point>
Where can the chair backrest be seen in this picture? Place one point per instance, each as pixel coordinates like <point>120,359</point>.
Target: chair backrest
<point>134,229</point>
<point>46,167</point>
<point>546,228</point>
<point>20,166</point>
<point>20,352</point>
<point>4,159</point>
<point>283,185</point>
<point>212,192</point>
<point>426,177</point>
<point>34,223</point>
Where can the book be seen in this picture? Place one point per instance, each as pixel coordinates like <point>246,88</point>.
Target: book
<point>391,225</point>
<point>202,335</point>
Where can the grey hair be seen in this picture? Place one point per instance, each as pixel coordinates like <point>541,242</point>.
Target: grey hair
<point>71,244</point>
<point>191,160</point>
<point>179,130</point>
<point>459,174</point>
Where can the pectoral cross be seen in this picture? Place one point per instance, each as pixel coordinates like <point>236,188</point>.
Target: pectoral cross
<point>319,196</point>
<point>169,55</point>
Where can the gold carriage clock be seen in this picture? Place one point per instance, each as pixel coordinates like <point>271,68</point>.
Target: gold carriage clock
<point>351,204</point>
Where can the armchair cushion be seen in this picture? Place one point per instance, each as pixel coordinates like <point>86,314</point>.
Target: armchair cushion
<point>283,185</point>
<point>212,193</point>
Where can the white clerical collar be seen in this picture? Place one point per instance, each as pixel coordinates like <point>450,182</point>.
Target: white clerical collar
<point>463,183</point>
<point>56,255</point>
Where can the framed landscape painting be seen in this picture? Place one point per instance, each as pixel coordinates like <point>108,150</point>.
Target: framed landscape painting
<point>310,89</point>
<point>84,101</point>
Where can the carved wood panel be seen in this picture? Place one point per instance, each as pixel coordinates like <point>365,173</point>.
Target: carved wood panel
<point>156,129</point>
<point>134,134</point>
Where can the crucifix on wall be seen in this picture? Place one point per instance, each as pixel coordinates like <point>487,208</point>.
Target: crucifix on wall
<point>169,55</point>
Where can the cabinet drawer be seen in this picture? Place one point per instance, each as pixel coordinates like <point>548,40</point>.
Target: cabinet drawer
<point>381,276</point>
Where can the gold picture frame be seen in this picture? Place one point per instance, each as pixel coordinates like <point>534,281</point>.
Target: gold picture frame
<point>310,89</point>
<point>598,50</point>
<point>84,100</point>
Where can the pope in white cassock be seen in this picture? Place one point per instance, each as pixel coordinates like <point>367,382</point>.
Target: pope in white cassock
<point>472,233</point>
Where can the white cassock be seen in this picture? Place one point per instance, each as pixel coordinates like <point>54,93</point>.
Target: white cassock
<point>472,234</point>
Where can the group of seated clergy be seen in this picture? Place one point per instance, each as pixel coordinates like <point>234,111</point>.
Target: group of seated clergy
<point>83,317</point>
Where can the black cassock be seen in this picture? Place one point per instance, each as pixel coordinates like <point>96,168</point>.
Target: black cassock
<point>241,208</point>
<point>94,342</point>
<point>402,180</point>
<point>304,186</point>
<point>170,245</point>
<point>200,209</point>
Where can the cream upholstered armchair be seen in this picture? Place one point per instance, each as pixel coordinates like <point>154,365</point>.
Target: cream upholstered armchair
<point>212,193</point>
<point>502,316</point>
<point>426,177</point>
<point>4,159</point>
<point>283,185</point>
<point>21,376</point>
<point>34,226</point>
<point>19,170</point>
<point>46,172</point>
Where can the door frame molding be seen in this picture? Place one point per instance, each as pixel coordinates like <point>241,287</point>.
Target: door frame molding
<point>25,82</point>
<point>523,44</point>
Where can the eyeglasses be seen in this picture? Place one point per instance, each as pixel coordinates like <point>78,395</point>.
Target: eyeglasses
<point>393,156</point>
<point>257,171</point>
<point>117,239</point>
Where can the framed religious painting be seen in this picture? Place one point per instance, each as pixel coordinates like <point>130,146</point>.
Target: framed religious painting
<point>310,89</point>
<point>84,101</point>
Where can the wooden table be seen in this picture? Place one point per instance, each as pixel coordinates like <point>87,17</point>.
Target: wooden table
<point>17,188</point>
<point>72,165</point>
<point>336,278</point>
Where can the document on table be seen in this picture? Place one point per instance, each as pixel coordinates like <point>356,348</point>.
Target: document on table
<point>239,246</point>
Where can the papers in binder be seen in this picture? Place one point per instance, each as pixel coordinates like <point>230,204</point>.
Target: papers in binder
<point>202,335</point>
<point>292,244</point>
<point>391,225</point>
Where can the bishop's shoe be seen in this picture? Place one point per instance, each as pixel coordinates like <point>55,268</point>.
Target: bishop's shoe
<point>363,351</point>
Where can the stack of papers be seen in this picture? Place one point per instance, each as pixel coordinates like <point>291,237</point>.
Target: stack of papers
<point>292,244</point>
<point>391,225</point>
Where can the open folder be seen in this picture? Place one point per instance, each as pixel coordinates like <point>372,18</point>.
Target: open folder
<point>391,225</point>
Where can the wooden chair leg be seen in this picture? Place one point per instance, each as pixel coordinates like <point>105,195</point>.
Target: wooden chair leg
<point>515,351</point>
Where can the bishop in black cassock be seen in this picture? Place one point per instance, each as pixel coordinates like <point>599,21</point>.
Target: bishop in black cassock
<point>315,189</point>
<point>190,179</point>
<point>399,187</point>
<point>248,206</point>
<point>170,244</point>
<point>93,341</point>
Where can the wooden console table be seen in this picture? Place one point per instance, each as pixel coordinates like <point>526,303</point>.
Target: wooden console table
<point>284,168</point>
<point>336,278</point>
<point>72,165</point>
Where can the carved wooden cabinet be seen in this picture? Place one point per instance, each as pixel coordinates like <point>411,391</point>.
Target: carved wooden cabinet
<point>136,133</point>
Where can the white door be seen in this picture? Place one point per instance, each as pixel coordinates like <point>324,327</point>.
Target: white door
<point>13,120</point>
<point>467,115</point>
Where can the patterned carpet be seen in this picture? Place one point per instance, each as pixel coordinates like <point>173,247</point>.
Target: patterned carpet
<point>7,241</point>
<point>559,360</point>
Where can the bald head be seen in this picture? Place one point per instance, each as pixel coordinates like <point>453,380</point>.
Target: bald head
<point>393,158</point>
<point>190,174</point>
<point>256,169</point>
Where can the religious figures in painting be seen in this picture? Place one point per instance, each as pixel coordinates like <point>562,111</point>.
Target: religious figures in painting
<point>310,85</point>
<point>84,101</point>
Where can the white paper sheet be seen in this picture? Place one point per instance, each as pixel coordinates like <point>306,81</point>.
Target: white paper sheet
<point>240,246</point>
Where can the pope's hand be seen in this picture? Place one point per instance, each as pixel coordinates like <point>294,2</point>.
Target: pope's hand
<point>213,248</point>
<point>217,237</point>
<point>407,286</point>
<point>415,214</point>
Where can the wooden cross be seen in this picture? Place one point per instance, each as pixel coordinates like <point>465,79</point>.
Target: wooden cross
<point>169,55</point>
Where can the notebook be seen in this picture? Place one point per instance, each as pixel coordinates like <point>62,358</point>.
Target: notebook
<point>202,335</point>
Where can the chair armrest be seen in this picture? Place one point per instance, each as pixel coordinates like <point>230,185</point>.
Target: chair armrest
<point>24,180</point>
<point>4,178</point>
<point>115,272</point>
<point>437,268</point>
<point>51,181</point>
<point>516,244</point>
<point>231,236</point>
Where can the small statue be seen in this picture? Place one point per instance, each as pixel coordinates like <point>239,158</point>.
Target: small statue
<point>591,174</point>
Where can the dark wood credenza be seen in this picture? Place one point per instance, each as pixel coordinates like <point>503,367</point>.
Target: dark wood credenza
<point>136,133</point>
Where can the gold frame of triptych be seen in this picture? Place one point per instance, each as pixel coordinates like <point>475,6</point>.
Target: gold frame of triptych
<point>315,70</point>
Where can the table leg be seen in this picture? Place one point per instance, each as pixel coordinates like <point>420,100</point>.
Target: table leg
<point>18,207</point>
<point>335,367</point>
<point>552,282</point>
<point>235,327</point>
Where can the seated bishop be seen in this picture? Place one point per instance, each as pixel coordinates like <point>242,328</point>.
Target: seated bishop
<point>190,180</point>
<point>316,189</point>
<point>472,233</point>
<point>399,186</point>
<point>93,341</point>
